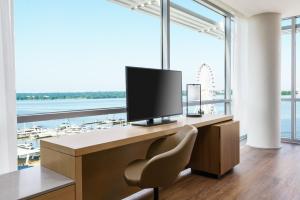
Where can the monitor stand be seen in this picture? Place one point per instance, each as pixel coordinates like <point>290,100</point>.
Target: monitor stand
<point>152,122</point>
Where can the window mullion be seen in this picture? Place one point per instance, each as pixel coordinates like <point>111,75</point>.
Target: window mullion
<point>227,63</point>
<point>293,79</point>
<point>165,34</point>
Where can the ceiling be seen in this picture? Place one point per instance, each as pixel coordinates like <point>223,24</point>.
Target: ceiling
<point>178,14</point>
<point>249,8</point>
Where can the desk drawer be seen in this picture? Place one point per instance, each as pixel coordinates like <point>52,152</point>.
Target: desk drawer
<point>217,148</point>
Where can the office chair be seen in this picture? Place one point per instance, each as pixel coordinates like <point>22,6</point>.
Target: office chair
<point>165,159</point>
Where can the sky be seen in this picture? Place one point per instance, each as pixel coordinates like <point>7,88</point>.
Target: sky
<point>84,45</point>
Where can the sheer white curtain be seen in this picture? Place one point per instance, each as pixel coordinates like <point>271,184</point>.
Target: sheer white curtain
<point>240,64</point>
<point>239,72</point>
<point>8,141</point>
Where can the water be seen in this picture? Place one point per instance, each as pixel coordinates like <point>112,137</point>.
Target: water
<point>286,120</point>
<point>28,107</point>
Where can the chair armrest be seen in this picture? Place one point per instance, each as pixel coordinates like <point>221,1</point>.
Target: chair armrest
<point>133,171</point>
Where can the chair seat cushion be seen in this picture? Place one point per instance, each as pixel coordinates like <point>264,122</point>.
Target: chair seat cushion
<point>133,172</point>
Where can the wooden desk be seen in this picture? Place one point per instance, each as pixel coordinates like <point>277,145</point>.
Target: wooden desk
<point>97,160</point>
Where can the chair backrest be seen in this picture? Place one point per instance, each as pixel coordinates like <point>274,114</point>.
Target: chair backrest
<point>168,158</point>
<point>165,144</point>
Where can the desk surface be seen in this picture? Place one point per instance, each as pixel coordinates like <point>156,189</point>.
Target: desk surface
<point>81,144</point>
<point>31,182</point>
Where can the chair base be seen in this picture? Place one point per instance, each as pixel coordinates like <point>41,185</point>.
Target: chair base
<point>156,193</point>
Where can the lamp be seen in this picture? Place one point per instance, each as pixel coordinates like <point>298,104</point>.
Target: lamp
<point>193,100</point>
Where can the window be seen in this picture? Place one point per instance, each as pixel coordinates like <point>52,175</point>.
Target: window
<point>197,49</point>
<point>71,55</point>
<point>297,57</point>
<point>286,119</point>
<point>286,53</point>
<point>71,58</point>
<point>68,53</point>
<point>297,79</point>
<point>290,108</point>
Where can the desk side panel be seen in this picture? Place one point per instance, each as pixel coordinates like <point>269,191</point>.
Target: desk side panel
<point>59,162</point>
<point>230,145</point>
<point>103,172</point>
<point>206,153</point>
<point>64,164</point>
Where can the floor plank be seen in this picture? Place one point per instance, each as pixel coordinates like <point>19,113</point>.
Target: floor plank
<point>262,174</point>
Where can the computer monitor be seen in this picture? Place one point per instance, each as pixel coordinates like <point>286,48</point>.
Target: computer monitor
<point>152,93</point>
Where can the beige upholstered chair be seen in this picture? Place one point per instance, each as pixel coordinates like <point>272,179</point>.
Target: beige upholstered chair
<point>165,159</point>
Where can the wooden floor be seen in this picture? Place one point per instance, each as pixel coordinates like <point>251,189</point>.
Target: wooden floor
<point>262,174</point>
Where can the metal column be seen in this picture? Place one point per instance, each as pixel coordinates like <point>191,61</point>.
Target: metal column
<point>228,63</point>
<point>165,34</point>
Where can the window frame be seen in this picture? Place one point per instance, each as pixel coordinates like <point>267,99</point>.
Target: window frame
<point>293,99</point>
<point>165,63</point>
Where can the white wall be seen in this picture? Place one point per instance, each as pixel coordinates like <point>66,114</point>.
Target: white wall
<point>239,72</point>
<point>263,81</point>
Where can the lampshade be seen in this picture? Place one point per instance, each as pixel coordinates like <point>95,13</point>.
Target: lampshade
<point>193,100</point>
<point>194,92</point>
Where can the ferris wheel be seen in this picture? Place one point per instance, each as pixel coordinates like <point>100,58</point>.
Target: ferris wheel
<point>206,77</point>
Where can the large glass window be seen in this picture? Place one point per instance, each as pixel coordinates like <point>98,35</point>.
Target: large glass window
<point>71,56</point>
<point>286,129</point>
<point>197,49</point>
<point>298,78</point>
<point>68,51</point>
<point>290,107</point>
<point>286,53</point>
<point>298,57</point>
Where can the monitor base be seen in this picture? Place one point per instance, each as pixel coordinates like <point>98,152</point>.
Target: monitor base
<point>152,122</point>
<point>196,115</point>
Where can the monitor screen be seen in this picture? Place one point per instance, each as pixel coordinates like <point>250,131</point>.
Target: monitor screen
<point>152,93</point>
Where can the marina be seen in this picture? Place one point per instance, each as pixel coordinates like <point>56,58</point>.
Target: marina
<point>29,138</point>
